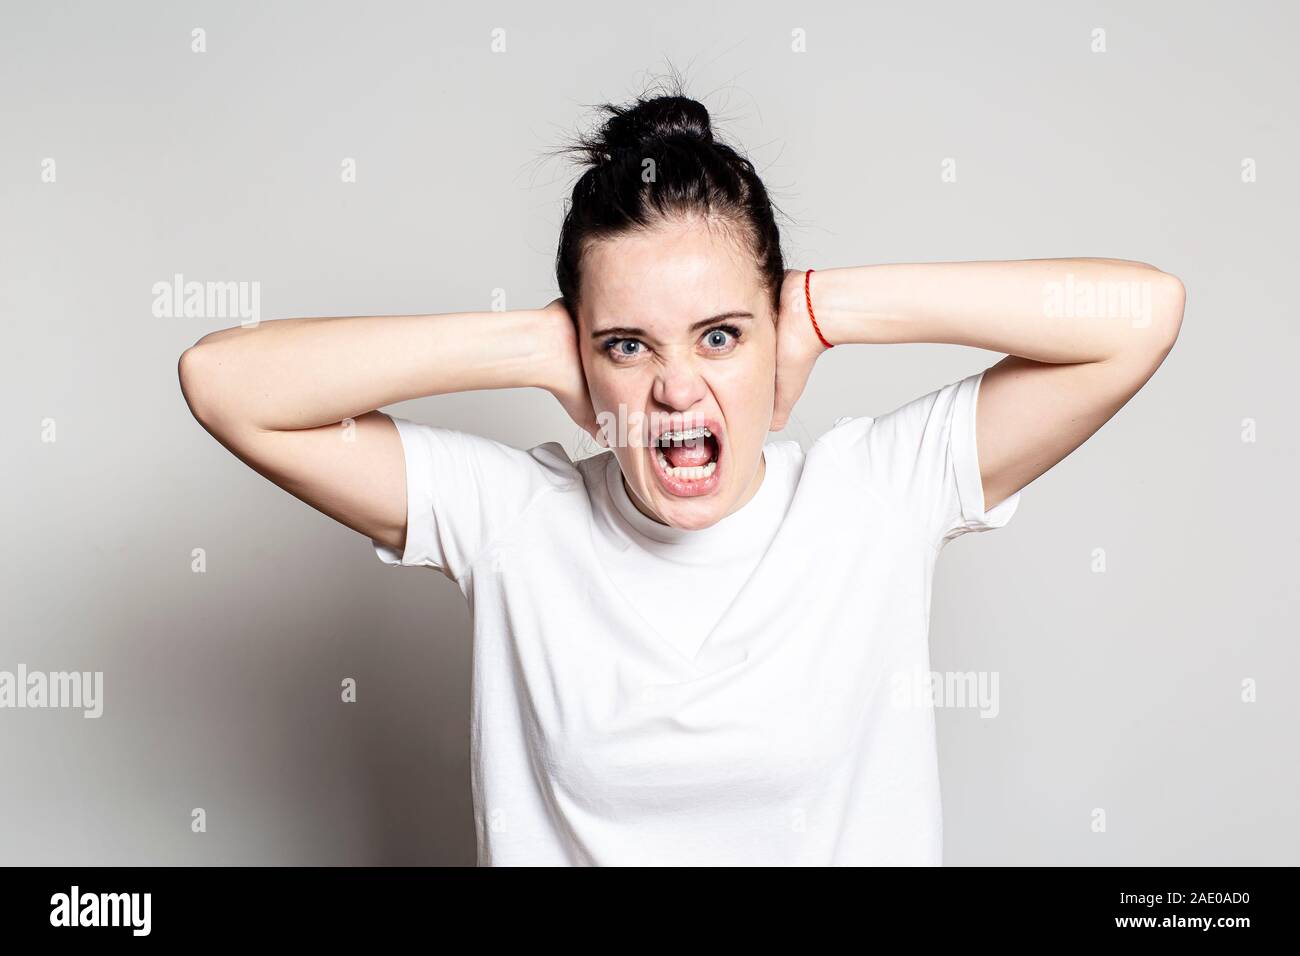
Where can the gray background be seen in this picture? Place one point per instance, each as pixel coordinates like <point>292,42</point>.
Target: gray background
<point>1119,691</point>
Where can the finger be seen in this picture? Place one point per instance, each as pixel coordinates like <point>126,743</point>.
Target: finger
<point>791,388</point>
<point>786,394</point>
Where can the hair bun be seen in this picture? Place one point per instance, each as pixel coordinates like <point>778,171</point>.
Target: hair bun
<point>652,120</point>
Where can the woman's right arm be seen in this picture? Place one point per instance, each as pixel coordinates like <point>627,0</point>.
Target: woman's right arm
<point>279,395</point>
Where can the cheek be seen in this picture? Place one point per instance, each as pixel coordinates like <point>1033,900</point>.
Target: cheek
<point>748,388</point>
<point>609,392</point>
<point>600,384</point>
<point>759,367</point>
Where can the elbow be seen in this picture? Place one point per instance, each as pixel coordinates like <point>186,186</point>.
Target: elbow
<point>1169,301</point>
<point>1162,319</point>
<point>187,373</point>
<point>194,370</point>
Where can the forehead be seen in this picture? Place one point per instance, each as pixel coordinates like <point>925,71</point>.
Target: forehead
<point>668,276</point>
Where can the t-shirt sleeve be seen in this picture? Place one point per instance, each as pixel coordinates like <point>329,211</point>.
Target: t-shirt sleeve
<point>922,458</point>
<point>464,490</point>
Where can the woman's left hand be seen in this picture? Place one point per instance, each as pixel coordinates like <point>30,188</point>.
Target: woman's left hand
<point>797,348</point>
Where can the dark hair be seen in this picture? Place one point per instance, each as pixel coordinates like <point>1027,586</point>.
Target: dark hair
<point>694,173</point>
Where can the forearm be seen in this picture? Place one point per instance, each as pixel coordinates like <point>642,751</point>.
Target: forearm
<point>303,373</point>
<point>1047,310</point>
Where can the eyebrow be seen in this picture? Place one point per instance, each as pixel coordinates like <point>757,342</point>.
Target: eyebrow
<point>641,333</point>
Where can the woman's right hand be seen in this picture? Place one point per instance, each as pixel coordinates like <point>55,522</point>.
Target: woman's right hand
<point>563,376</point>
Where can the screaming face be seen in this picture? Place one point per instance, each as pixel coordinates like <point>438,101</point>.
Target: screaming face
<point>678,344</point>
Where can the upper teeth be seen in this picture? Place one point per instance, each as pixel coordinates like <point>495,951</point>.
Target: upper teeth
<point>699,432</point>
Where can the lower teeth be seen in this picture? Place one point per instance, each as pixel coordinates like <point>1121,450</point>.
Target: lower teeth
<point>693,473</point>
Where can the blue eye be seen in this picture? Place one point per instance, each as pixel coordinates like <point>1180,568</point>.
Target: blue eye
<point>715,340</point>
<point>718,330</point>
<point>612,343</point>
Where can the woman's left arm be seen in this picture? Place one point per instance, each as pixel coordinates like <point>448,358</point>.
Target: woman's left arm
<point>1082,336</point>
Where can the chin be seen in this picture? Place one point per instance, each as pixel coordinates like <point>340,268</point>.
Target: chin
<point>693,511</point>
<point>693,517</point>
<point>690,513</point>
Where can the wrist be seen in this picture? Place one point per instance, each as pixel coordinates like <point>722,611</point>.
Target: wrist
<point>825,295</point>
<point>824,342</point>
<point>552,343</point>
<point>853,304</point>
<point>807,323</point>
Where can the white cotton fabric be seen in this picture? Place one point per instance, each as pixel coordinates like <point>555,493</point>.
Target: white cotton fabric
<point>764,727</point>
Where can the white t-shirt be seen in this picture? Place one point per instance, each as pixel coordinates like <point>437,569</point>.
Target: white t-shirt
<point>768,729</point>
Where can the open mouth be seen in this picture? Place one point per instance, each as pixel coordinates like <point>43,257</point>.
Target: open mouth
<point>687,461</point>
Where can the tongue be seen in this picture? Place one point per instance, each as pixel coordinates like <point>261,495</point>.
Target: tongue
<point>693,453</point>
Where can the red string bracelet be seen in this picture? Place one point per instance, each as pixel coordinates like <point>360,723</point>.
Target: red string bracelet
<point>807,294</point>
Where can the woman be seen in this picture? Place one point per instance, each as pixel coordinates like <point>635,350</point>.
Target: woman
<point>687,648</point>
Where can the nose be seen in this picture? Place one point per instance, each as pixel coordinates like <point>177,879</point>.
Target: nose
<point>679,385</point>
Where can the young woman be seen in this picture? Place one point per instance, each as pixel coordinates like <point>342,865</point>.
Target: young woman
<point>687,649</point>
